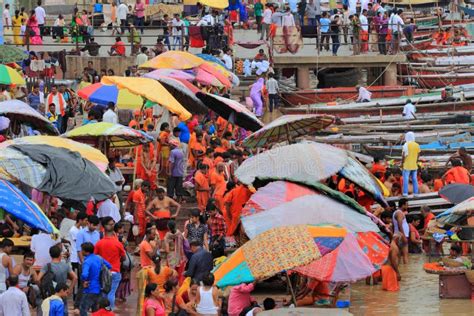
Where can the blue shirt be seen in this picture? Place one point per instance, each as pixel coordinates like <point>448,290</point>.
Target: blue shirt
<point>177,158</point>
<point>91,273</point>
<point>34,100</point>
<point>325,22</point>
<point>184,135</point>
<point>56,307</point>
<point>85,235</point>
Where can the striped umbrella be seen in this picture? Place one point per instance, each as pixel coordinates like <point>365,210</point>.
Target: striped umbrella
<point>15,166</point>
<point>103,94</point>
<point>10,76</point>
<point>211,58</point>
<point>13,201</point>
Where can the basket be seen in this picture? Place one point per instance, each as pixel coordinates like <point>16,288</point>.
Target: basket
<point>470,276</point>
<point>450,263</point>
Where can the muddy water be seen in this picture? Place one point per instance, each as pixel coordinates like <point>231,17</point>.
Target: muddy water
<point>418,295</point>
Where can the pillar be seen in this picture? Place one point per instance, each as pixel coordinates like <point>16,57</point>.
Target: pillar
<point>390,75</point>
<point>302,77</point>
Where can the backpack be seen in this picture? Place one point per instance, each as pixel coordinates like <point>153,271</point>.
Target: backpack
<point>105,278</point>
<point>47,283</point>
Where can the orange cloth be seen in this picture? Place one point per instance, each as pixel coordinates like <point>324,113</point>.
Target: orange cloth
<point>220,185</point>
<point>376,167</point>
<point>141,174</point>
<point>221,124</point>
<point>160,279</point>
<point>428,218</point>
<point>389,279</point>
<point>61,102</point>
<point>139,199</point>
<point>208,161</point>
<point>202,196</point>
<point>198,147</point>
<point>145,247</point>
<point>237,198</point>
<point>457,175</point>
<point>437,185</point>
<point>134,124</point>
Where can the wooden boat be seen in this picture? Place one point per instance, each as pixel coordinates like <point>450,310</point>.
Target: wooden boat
<point>303,97</point>
<point>445,52</point>
<point>433,80</point>
<point>421,44</point>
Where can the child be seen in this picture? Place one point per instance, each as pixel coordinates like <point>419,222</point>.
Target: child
<point>51,115</point>
<point>104,308</point>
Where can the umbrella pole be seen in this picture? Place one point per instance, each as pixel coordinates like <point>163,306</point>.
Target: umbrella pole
<point>293,297</point>
<point>288,136</point>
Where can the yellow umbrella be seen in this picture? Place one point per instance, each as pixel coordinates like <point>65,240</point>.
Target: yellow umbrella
<point>174,60</point>
<point>152,90</point>
<point>217,4</point>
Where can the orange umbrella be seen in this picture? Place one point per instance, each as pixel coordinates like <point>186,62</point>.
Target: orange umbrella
<point>214,70</point>
<point>174,60</point>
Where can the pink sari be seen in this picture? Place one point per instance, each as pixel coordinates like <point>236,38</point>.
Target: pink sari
<point>32,27</point>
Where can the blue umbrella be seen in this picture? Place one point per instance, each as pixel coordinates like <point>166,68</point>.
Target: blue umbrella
<point>212,59</point>
<point>16,203</point>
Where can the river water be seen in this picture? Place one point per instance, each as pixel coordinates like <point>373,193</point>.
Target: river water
<point>418,295</point>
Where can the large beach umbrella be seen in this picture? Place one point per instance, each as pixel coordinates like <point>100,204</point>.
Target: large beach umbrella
<point>11,54</point>
<point>309,209</point>
<point>211,58</point>
<point>10,76</point>
<point>172,73</point>
<point>15,166</point>
<point>216,4</point>
<point>231,110</point>
<point>151,90</point>
<point>114,135</point>
<point>457,213</point>
<point>84,150</point>
<point>276,250</point>
<point>20,112</point>
<point>13,201</point>
<point>302,162</point>
<point>287,128</point>
<point>456,192</point>
<point>69,176</point>
<point>217,71</point>
<point>173,59</point>
<point>103,94</point>
<point>206,79</point>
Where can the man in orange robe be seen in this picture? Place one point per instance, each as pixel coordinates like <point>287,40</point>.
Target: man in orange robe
<point>218,183</point>
<point>201,181</point>
<point>234,202</point>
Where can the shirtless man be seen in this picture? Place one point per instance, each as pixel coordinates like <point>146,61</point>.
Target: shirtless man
<point>394,254</point>
<point>159,210</point>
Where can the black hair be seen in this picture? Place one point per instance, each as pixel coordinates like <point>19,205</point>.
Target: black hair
<point>151,287</point>
<point>269,303</point>
<point>61,286</point>
<point>55,251</point>
<point>12,280</point>
<point>110,105</point>
<point>6,243</point>
<point>104,302</point>
<point>170,284</point>
<point>29,254</point>
<point>160,190</point>
<point>88,247</point>
<point>386,214</point>
<point>93,219</point>
<point>195,213</point>
<point>208,280</point>
<point>402,202</point>
<point>456,248</point>
<point>172,226</point>
<point>164,126</point>
<point>105,220</point>
<point>118,226</point>
<point>195,243</point>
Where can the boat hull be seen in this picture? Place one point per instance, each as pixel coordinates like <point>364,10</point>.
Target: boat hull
<point>432,81</point>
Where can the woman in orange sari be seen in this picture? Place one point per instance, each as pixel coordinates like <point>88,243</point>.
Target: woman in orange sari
<point>219,185</point>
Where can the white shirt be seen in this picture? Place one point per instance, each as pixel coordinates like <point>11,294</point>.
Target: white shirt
<point>40,245</point>
<point>364,94</point>
<point>396,23</point>
<point>40,15</point>
<point>108,208</point>
<point>141,59</point>
<point>364,23</point>
<point>272,86</point>
<point>122,11</point>
<point>288,20</point>
<point>13,302</point>
<point>267,16</point>
<point>227,61</point>
<point>7,20</point>
<point>207,20</point>
<point>65,226</point>
<point>408,110</point>
<point>56,100</point>
<point>110,117</point>
<point>116,175</point>
<point>177,26</point>
<point>72,239</point>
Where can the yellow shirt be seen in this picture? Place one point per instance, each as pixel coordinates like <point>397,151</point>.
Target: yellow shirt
<point>411,156</point>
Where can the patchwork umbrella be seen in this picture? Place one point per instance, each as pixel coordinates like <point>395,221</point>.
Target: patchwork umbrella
<point>172,73</point>
<point>15,166</point>
<point>231,110</point>
<point>115,135</point>
<point>21,113</point>
<point>13,201</point>
<point>103,94</point>
<point>302,162</point>
<point>151,90</point>
<point>457,213</point>
<point>287,128</point>
<point>11,54</point>
<point>276,250</point>
<point>456,192</point>
<point>308,209</point>
<point>85,151</point>
<point>173,59</point>
<point>351,261</point>
<point>10,76</point>
<point>211,58</point>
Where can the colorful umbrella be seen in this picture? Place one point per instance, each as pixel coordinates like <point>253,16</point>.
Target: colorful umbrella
<point>173,59</point>
<point>231,110</point>
<point>302,162</point>
<point>207,79</point>
<point>457,213</point>
<point>16,203</point>
<point>456,192</point>
<point>287,128</point>
<point>86,151</point>
<point>309,209</point>
<point>15,166</point>
<point>189,85</point>
<point>216,71</point>
<point>115,135</point>
<point>10,76</point>
<point>216,4</point>
<point>277,250</point>
<point>350,261</point>
<point>151,90</point>
<point>11,54</point>
<point>183,95</point>
<point>103,94</point>
<point>20,112</point>
<point>172,73</point>
<point>211,58</point>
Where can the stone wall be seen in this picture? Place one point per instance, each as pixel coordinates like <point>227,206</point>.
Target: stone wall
<point>76,64</point>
